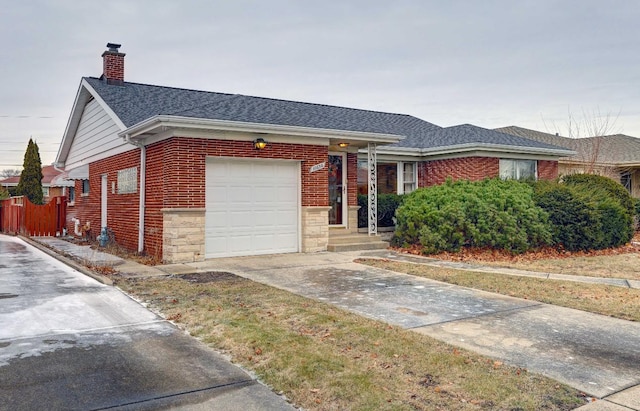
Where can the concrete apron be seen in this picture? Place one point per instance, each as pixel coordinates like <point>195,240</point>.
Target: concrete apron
<point>596,354</point>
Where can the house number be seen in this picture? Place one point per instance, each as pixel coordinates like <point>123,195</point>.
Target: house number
<point>317,167</point>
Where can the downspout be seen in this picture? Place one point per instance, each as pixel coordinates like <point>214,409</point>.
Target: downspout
<point>141,205</point>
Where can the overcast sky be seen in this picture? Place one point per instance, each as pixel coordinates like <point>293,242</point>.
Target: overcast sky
<point>491,63</point>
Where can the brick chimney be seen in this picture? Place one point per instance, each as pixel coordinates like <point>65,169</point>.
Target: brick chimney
<point>113,64</point>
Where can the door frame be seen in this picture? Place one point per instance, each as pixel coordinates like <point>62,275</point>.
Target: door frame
<point>345,200</point>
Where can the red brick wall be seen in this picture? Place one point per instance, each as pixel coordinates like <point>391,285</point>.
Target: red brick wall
<point>474,169</point>
<point>352,179</point>
<point>184,167</point>
<point>547,170</point>
<point>469,168</point>
<point>175,178</point>
<point>122,217</point>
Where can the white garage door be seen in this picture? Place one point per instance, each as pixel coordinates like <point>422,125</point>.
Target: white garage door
<point>251,207</point>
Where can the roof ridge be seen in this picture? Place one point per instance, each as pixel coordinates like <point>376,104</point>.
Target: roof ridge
<point>263,98</point>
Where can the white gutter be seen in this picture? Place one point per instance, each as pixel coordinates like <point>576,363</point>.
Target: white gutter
<point>454,149</point>
<point>141,204</point>
<point>190,122</point>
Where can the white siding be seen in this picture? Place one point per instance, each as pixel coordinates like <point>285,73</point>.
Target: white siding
<point>96,138</point>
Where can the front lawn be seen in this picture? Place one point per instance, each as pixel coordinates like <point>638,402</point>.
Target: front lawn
<point>322,357</point>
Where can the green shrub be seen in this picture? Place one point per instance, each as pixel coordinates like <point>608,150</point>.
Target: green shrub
<point>492,213</point>
<point>387,205</point>
<point>601,183</point>
<point>585,215</point>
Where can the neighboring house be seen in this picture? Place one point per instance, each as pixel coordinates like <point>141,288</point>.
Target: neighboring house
<point>615,156</point>
<point>186,175</point>
<point>53,183</point>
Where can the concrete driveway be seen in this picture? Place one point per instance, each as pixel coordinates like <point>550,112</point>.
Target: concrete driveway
<point>68,342</point>
<point>596,354</point>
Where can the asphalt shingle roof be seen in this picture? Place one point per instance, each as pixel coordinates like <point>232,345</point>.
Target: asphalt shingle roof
<point>611,149</point>
<point>466,134</point>
<point>134,103</point>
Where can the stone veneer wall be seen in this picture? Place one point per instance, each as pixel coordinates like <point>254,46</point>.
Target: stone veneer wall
<point>315,229</point>
<point>352,223</point>
<point>183,235</point>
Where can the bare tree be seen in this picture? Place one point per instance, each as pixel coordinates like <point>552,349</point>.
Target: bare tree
<point>9,172</point>
<point>589,131</point>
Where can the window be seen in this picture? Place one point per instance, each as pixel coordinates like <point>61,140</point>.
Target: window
<point>45,191</point>
<point>518,169</point>
<point>392,178</point>
<point>625,180</point>
<point>408,183</point>
<point>72,194</point>
<point>85,187</point>
<point>128,180</point>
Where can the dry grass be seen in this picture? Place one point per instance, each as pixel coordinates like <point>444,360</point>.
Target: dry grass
<point>613,301</point>
<point>322,357</point>
<point>620,262</point>
<point>607,266</point>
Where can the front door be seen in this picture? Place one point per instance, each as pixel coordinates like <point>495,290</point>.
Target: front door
<point>337,189</point>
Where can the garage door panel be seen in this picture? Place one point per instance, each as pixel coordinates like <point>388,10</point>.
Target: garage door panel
<point>251,207</point>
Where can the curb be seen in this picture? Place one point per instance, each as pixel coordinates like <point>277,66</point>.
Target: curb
<point>68,261</point>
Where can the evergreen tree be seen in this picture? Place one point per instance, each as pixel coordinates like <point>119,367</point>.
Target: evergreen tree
<point>30,184</point>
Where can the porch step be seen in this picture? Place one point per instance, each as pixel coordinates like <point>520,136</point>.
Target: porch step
<point>346,241</point>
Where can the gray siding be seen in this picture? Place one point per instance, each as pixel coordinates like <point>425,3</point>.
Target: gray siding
<point>97,137</point>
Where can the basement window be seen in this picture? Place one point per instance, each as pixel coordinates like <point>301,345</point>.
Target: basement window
<point>128,180</point>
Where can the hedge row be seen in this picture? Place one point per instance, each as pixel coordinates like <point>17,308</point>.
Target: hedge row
<point>578,213</point>
<point>387,205</point>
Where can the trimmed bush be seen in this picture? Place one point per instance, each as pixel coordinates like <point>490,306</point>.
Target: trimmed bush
<point>601,183</point>
<point>491,213</point>
<point>387,205</point>
<point>585,215</point>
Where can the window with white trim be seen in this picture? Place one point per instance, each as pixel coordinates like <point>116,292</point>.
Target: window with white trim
<point>518,169</point>
<point>128,180</point>
<point>408,174</point>
<point>45,191</point>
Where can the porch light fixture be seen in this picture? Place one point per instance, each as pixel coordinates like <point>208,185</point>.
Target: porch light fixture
<point>343,145</point>
<point>259,144</point>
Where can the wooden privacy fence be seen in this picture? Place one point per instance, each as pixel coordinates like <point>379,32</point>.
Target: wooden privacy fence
<point>20,216</point>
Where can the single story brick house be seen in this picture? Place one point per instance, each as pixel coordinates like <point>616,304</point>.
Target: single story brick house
<point>187,175</point>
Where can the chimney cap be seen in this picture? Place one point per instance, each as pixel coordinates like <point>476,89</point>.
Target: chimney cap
<point>114,47</point>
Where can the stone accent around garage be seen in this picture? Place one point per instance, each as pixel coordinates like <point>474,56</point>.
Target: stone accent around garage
<point>315,229</point>
<point>183,235</point>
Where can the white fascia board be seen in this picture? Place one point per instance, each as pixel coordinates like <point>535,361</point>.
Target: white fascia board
<point>197,123</point>
<point>85,91</point>
<point>472,147</point>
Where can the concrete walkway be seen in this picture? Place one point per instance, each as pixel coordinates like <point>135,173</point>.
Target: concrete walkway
<point>596,354</point>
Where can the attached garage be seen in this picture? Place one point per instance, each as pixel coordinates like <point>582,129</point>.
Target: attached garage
<point>252,207</point>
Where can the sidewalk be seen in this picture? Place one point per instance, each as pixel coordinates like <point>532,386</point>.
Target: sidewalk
<point>596,354</point>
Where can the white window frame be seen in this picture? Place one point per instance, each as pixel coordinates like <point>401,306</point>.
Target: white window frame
<point>45,191</point>
<point>400,173</point>
<point>514,162</point>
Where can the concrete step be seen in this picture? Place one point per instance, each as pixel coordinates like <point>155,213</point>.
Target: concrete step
<point>375,245</point>
<point>353,238</point>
